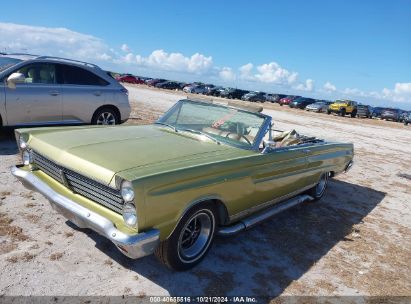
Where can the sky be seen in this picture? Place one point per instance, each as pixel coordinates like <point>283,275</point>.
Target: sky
<point>325,49</point>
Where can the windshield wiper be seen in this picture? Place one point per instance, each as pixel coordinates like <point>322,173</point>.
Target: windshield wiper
<point>167,125</point>
<point>200,133</point>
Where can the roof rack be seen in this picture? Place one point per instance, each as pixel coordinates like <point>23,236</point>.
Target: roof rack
<point>69,60</point>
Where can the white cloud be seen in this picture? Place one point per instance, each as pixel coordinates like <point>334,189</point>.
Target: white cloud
<point>246,71</point>
<point>159,59</point>
<point>227,74</point>
<point>52,41</point>
<point>329,87</point>
<point>307,86</point>
<point>125,48</point>
<point>270,73</point>
<point>400,93</point>
<point>129,58</point>
<point>273,73</point>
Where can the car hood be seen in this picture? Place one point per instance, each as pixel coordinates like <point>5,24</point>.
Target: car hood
<point>101,152</point>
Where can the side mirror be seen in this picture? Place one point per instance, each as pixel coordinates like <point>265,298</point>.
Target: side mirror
<point>15,78</point>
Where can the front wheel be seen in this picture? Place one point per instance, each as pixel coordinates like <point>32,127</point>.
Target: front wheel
<point>318,190</point>
<point>191,239</point>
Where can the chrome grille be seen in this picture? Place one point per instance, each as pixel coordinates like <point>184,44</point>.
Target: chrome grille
<point>95,191</point>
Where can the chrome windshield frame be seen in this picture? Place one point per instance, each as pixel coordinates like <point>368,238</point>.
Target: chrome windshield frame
<point>264,128</point>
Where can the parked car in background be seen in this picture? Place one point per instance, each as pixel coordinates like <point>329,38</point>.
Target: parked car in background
<point>376,112</point>
<point>287,100</point>
<point>274,97</point>
<point>391,114</point>
<point>403,115</point>
<point>318,106</point>
<point>45,90</point>
<point>212,177</point>
<point>407,118</point>
<point>216,91</point>
<point>128,78</point>
<point>232,93</point>
<point>254,97</point>
<point>169,85</point>
<point>195,88</point>
<point>301,102</point>
<point>208,88</point>
<point>364,111</point>
<point>182,85</point>
<point>343,107</point>
<point>153,82</point>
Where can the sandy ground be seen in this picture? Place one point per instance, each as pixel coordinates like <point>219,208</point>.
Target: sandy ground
<point>356,241</point>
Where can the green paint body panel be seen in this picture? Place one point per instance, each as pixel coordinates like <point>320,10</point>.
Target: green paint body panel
<point>172,171</point>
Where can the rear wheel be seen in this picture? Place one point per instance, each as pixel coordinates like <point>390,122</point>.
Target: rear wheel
<point>328,112</point>
<point>191,239</point>
<point>105,116</point>
<point>318,190</point>
<point>342,112</point>
<point>353,114</point>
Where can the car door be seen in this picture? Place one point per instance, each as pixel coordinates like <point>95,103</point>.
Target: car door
<point>83,93</point>
<point>36,101</point>
<point>281,174</point>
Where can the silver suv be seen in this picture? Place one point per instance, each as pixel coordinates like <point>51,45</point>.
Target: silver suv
<point>44,90</point>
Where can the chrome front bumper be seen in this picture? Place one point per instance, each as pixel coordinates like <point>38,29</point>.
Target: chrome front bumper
<point>134,245</point>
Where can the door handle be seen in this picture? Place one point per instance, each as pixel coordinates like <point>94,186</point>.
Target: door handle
<point>54,93</point>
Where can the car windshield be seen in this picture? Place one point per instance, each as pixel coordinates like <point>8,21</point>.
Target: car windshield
<point>220,123</point>
<point>6,62</point>
<point>341,101</point>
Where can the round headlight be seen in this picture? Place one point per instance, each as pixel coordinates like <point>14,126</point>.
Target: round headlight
<point>22,143</point>
<point>130,214</point>
<point>26,156</point>
<point>127,191</point>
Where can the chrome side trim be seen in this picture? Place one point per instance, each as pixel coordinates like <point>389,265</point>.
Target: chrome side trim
<point>242,214</point>
<point>262,216</point>
<point>349,166</point>
<point>132,245</point>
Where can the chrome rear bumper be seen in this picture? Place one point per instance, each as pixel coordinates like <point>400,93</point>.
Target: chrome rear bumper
<point>132,245</point>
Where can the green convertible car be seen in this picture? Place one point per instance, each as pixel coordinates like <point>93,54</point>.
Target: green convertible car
<point>203,169</point>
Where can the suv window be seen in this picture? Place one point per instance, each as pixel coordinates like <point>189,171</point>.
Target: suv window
<point>39,73</point>
<point>78,76</point>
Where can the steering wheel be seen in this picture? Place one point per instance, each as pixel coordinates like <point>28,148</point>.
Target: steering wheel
<point>241,136</point>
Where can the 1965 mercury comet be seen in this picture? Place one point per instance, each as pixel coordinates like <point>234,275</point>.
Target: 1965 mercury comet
<point>168,188</point>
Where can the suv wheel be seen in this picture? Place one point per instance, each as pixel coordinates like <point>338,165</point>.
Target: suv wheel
<point>190,241</point>
<point>105,116</point>
<point>342,112</point>
<point>354,113</point>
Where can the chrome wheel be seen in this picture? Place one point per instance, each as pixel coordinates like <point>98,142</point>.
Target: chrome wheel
<point>106,118</point>
<point>196,236</point>
<point>322,185</point>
